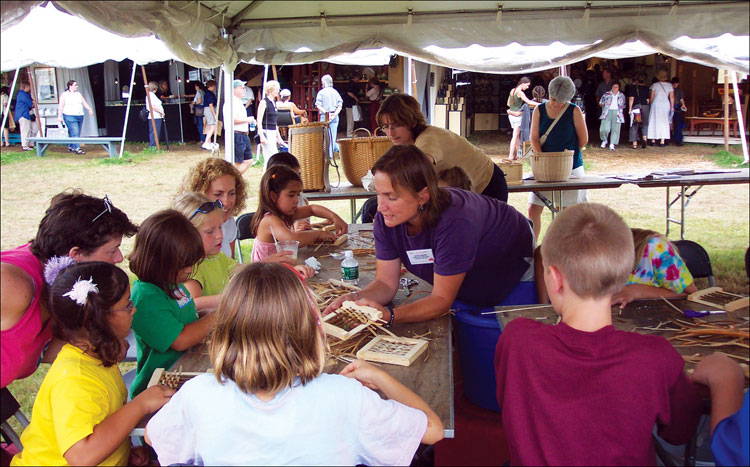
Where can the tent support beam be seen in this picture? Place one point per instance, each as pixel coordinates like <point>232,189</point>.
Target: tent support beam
<point>726,110</point>
<point>6,112</point>
<point>228,119</point>
<point>245,11</point>
<point>127,110</point>
<point>740,121</point>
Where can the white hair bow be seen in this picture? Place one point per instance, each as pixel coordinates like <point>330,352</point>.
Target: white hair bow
<point>81,289</point>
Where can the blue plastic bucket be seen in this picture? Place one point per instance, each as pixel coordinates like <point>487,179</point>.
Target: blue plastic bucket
<point>476,337</point>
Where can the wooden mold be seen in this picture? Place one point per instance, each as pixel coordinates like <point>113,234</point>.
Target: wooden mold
<point>396,350</point>
<point>349,320</point>
<point>716,297</point>
<point>172,379</point>
<point>338,242</point>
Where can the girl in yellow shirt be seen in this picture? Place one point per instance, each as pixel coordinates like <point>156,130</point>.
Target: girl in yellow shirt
<point>80,415</point>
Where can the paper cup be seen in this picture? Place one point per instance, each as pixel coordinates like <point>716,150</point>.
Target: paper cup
<point>289,245</point>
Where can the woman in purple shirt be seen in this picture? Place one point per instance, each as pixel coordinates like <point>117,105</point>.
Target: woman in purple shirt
<point>469,247</point>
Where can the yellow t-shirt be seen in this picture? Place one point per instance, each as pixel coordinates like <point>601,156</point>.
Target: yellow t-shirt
<point>77,394</point>
<point>451,150</point>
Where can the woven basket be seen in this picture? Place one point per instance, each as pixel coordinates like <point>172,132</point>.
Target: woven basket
<point>513,171</point>
<point>358,155</point>
<point>552,166</point>
<point>309,144</point>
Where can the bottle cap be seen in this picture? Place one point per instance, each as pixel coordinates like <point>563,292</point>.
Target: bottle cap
<point>348,254</point>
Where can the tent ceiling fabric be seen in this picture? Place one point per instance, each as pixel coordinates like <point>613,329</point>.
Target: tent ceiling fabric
<point>479,37</point>
<point>194,41</point>
<point>595,33</point>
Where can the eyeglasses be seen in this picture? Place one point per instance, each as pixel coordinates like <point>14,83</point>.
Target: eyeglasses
<point>128,308</point>
<point>208,207</point>
<point>107,208</point>
<point>392,126</point>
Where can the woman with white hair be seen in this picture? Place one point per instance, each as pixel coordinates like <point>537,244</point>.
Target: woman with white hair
<point>158,111</point>
<point>568,133</point>
<point>329,101</point>
<point>268,132</point>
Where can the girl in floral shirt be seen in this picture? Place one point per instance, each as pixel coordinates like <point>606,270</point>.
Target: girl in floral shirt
<point>658,270</point>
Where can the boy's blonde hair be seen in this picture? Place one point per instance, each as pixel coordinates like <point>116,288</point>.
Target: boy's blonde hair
<point>188,203</point>
<point>267,331</point>
<point>593,247</point>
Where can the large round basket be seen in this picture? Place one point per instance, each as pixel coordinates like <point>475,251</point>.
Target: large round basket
<point>552,166</point>
<point>359,154</point>
<point>309,142</point>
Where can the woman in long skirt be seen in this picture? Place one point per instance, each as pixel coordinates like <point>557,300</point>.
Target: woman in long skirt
<point>662,103</point>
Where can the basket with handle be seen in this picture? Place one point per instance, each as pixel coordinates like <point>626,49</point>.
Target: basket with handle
<point>359,154</point>
<point>551,166</point>
<point>513,171</point>
<point>309,143</point>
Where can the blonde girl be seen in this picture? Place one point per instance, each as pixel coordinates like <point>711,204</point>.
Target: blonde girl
<point>212,274</point>
<point>278,208</point>
<point>219,179</point>
<point>269,402</point>
<point>80,414</point>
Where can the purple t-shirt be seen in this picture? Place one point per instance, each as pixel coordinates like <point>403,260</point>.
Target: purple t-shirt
<point>571,397</point>
<point>483,237</point>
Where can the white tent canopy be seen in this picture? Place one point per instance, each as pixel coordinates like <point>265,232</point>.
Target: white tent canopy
<point>554,36</point>
<point>95,45</point>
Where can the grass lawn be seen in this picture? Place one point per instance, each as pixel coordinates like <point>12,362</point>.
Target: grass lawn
<point>145,181</point>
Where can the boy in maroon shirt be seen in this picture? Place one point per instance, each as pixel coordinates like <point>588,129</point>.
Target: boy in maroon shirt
<point>581,392</point>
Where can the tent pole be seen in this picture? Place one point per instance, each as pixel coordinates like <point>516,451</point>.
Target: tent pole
<point>228,119</point>
<point>127,109</point>
<point>6,115</point>
<point>273,71</point>
<point>740,121</point>
<point>407,76</point>
<point>179,106</point>
<point>218,106</point>
<point>265,79</point>
<point>150,109</point>
<point>39,131</point>
<point>726,110</point>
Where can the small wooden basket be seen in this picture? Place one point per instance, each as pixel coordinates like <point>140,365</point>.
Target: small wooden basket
<point>309,143</point>
<point>513,171</point>
<point>552,166</point>
<point>359,154</point>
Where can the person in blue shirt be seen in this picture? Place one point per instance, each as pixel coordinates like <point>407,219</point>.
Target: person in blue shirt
<point>730,415</point>
<point>24,105</point>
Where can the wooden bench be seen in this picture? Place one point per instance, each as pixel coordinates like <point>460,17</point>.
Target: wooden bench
<point>109,143</point>
<point>713,122</point>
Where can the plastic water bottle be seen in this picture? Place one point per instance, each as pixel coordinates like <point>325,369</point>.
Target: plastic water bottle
<point>349,268</point>
<point>252,125</point>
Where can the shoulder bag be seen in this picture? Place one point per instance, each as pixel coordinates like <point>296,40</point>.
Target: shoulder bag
<point>543,138</point>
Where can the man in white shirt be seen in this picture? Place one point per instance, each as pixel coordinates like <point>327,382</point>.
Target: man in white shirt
<point>243,153</point>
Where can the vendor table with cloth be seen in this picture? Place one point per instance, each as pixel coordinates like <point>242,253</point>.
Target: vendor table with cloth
<point>430,375</point>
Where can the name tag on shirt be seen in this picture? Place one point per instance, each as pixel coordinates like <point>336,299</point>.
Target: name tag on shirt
<point>182,299</point>
<point>421,256</point>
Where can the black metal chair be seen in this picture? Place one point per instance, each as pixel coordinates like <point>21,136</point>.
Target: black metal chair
<point>368,210</point>
<point>243,232</point>
<point>697,260</point>
<point>10,407</point>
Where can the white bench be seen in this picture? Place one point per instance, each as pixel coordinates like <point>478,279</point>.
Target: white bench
<point>109,143</point>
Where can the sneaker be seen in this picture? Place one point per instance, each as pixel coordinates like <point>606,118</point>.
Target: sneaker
<point>27,148</point>
<point>207,146</point>
<point>604,144</point>
<point>611,147</point>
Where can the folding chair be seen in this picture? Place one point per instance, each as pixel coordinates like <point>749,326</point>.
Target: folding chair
<point>11,407</point>
<point>368,210</point>
<point>697,260</point>
<point>243,232</point>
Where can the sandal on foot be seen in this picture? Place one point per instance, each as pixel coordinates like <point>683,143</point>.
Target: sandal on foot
<point>79,151</point>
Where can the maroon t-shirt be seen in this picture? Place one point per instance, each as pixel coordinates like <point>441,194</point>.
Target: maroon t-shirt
<point>571,397</point>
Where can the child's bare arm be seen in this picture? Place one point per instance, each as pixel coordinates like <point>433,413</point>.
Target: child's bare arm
<point>201,302</point>
<point>194,332</point>
<point>282,232</point>
<point>320,211</point>
<point>726,381</point>
<point>377,379</point>
<point>635,291</point>
<point>110,433</point>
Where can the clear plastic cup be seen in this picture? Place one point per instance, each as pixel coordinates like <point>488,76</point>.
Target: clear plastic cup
<point>289,245</point>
